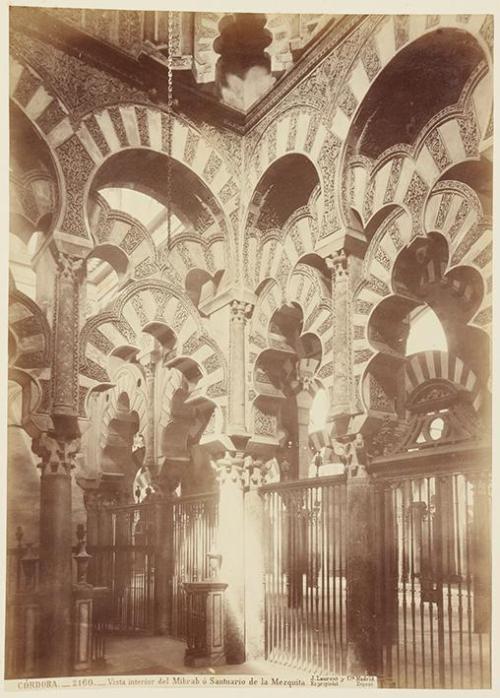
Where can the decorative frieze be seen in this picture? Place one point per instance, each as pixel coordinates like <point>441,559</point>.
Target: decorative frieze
<point>66,324</point>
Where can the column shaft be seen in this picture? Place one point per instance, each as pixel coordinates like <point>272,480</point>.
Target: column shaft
<point>164,566</point>
<point>237,393</point>
<point>56,574</point>
<point>254,575</point>
<point>66,336</point>
<point>361,571</point>
<point>230,544</point>
<point>341,399</point>
<point>57,451</point>
<point>149,441</point>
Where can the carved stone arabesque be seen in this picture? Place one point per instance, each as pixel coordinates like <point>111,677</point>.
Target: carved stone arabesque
<point>66,323</point>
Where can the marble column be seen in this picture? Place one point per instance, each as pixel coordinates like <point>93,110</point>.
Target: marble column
<point>164,515</point>
<point>341,389</point>
<point>254,563</point>
<point>361,565</point>
<point>57,460</point>
<point>304,402</point>
<point>240,312</point>
<point>230,545</point>
<point>149,440</point>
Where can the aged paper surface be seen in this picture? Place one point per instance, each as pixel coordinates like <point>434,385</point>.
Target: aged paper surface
<point>294,511</point>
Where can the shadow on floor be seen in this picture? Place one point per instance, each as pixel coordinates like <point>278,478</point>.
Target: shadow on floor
<point>163,655</point>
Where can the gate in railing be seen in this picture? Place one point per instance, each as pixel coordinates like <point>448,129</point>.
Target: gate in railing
<point>124,562</point>
<point>305,616</point>
<point>435,581</point>
<point>194,521</point>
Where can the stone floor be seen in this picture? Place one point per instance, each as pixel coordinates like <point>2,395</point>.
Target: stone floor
<point>162,655</point>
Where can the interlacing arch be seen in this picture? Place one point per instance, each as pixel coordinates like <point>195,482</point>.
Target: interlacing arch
<point>400,273</point>
<point>307,288</point>
<point>390,38</point>
<point>29,346</point>
<point>275,253</point>
<point>285,373</point>
<point>141,310</point>
<point>127,379</point>
<point>404,175</point>
<point>282,220</point>
<point>116,129</point>
<point>30,331</point>
<point>33,202</point>
<point>79,152</point>
<point>300,131</point>
<point>44,110</point>
<point>118,230</point>
<point>184,413</point>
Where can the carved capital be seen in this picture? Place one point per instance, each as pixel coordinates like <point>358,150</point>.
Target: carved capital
<point>356,457</point>
<point>57,455</point>
<point>253,472</point>
<point>337,264</point>
<point>229,470</point>
<point>240,311</point>
<point>306,372</point>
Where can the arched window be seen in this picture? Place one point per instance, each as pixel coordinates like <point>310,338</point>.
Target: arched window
<point>426,332</point>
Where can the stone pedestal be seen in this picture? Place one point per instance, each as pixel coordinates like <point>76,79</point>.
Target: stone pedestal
<point>82,627</point>
<point>205,623</point>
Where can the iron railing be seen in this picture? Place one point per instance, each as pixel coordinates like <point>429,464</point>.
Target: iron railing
<point>194,522</point>
<point>435,596</point>
<point>305,592</point>
<point>124,562</point>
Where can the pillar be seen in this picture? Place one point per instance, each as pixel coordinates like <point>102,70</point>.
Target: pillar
<point>254,565</point>
<point>304,401</point>
<point>149,441</point>
<point>361,566</point>
<point>340,396</point>
<point>240,311</point>
<point>164,563</point>
<point>65,367</point>
<point>481,555</point>
<point>57,450</point>
<point>57,460</point>
<point>230,545</point>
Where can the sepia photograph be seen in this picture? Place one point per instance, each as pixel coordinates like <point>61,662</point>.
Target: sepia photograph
<point>249,349</point>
